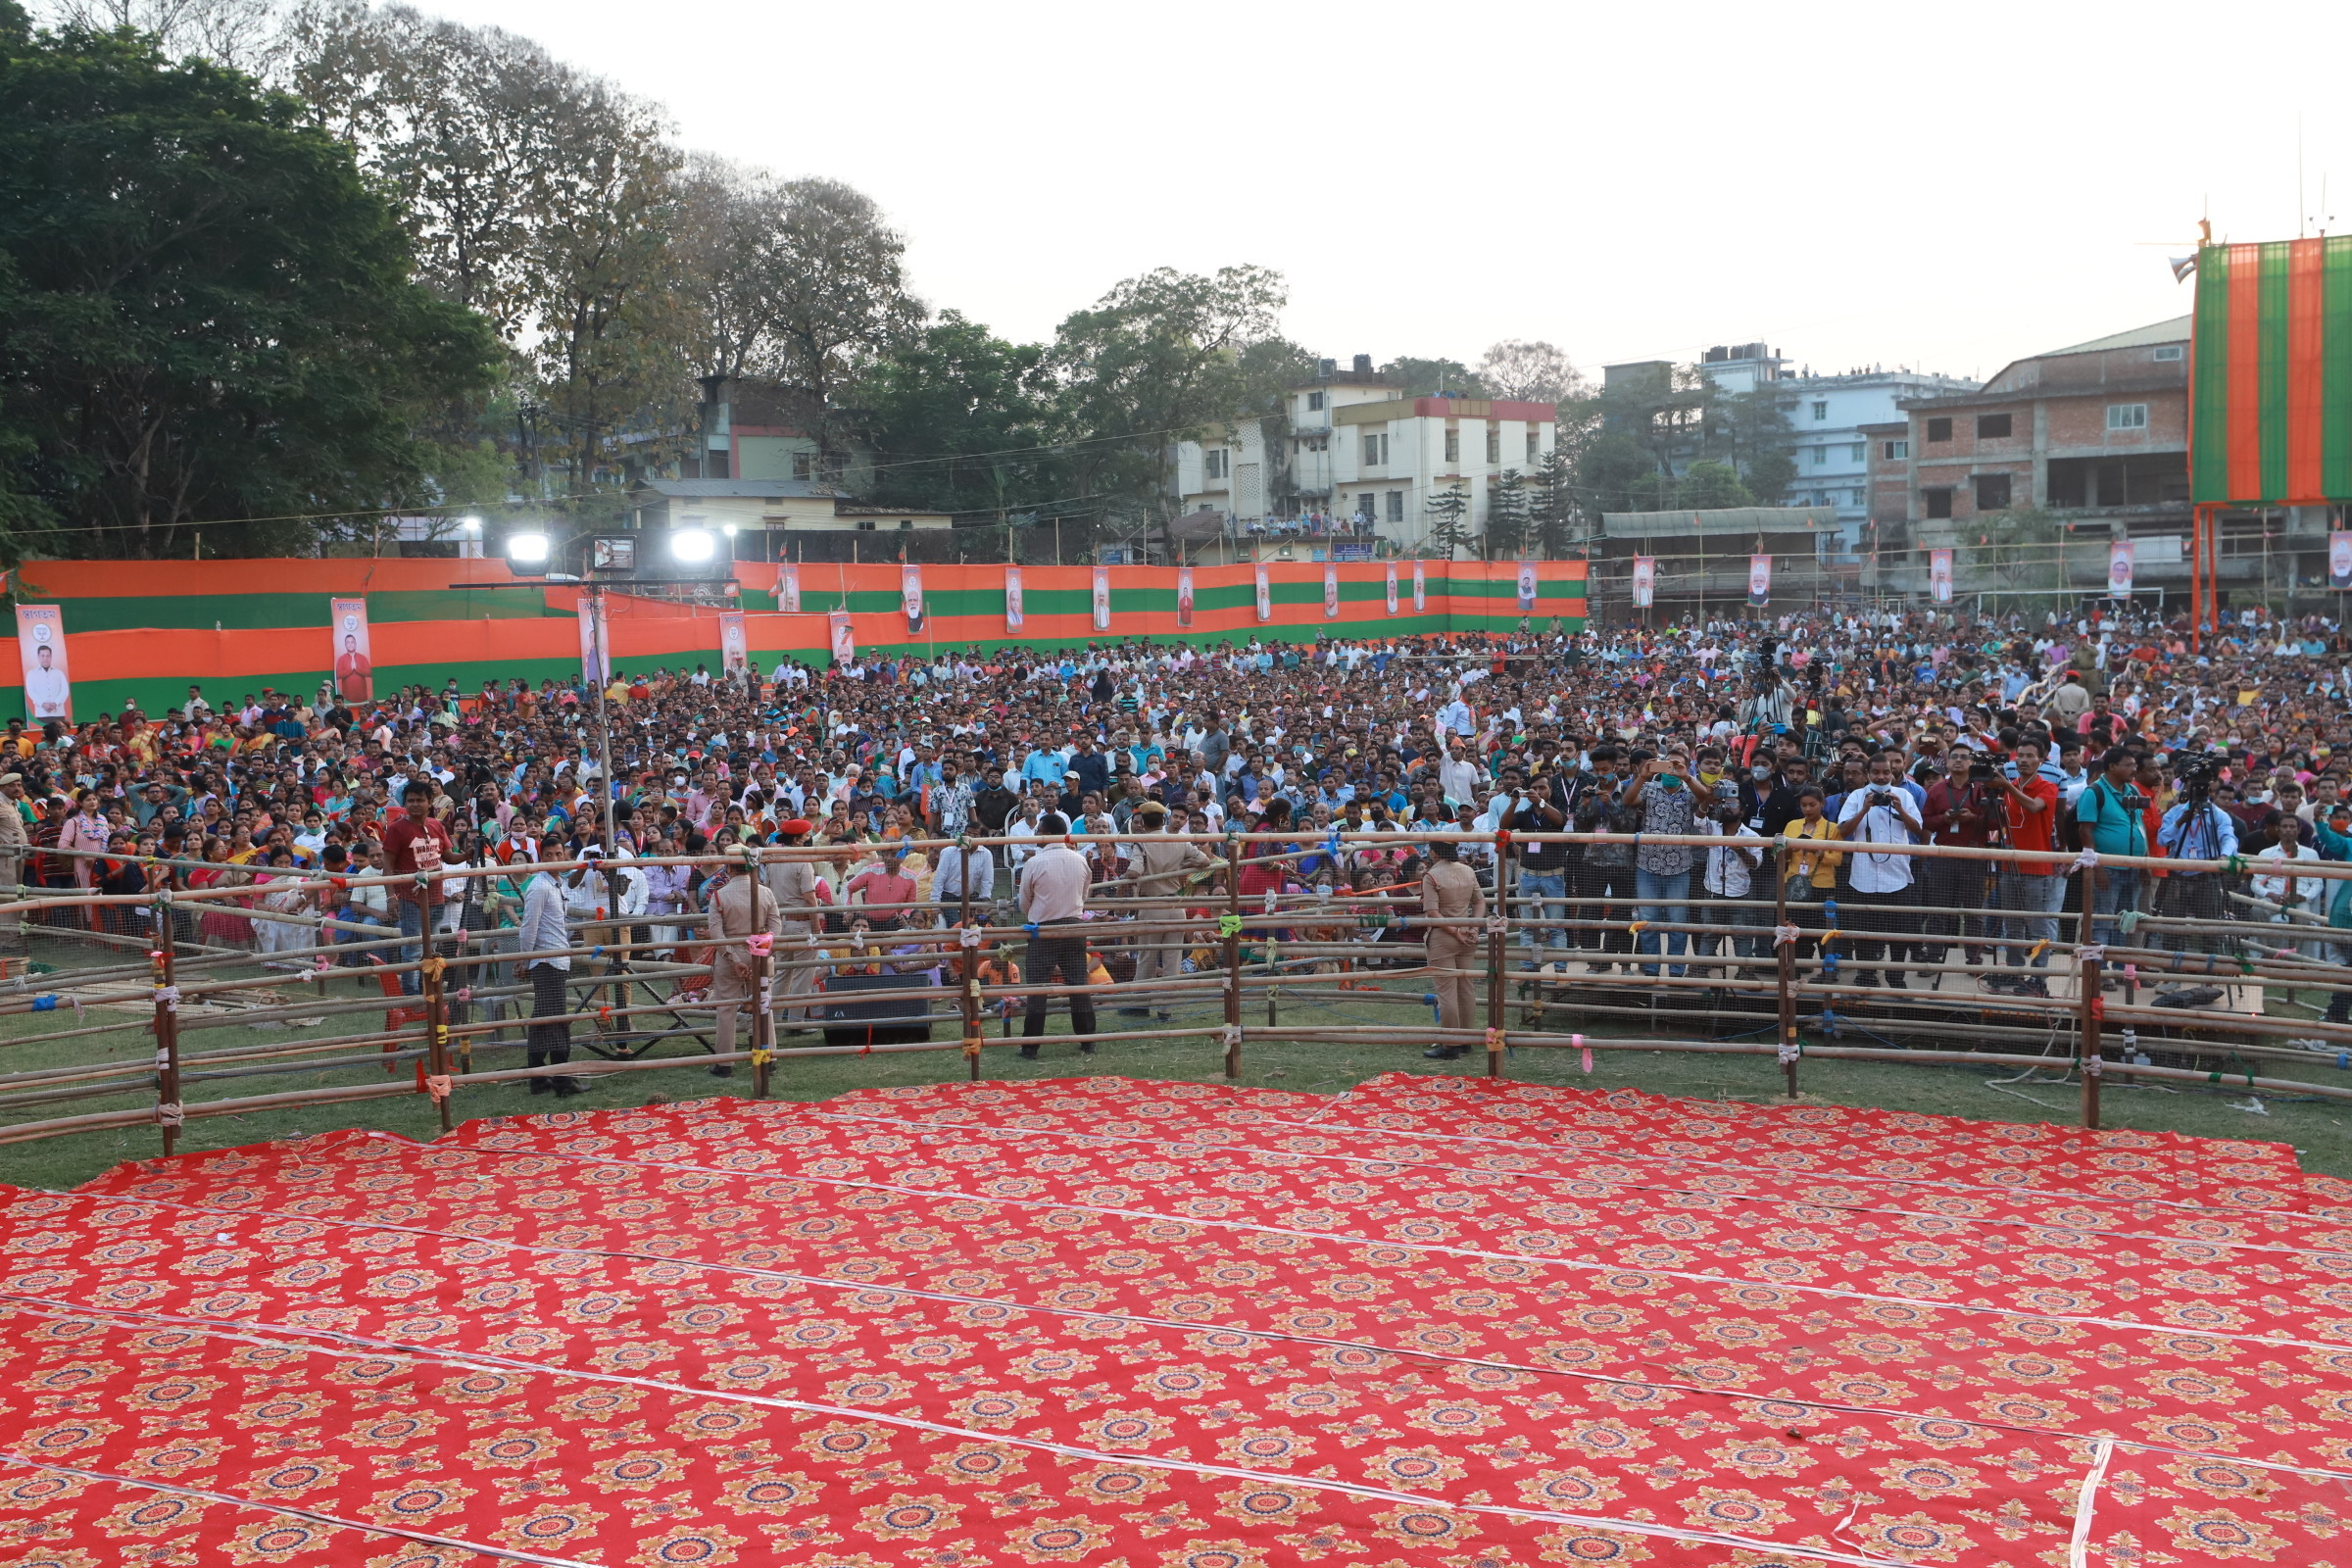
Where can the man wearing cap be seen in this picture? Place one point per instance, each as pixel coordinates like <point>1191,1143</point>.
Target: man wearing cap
<point>1163,865</point>
<point>15,838</point>
<point>741,906</point>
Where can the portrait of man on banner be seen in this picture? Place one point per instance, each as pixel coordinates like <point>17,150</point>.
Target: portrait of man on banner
<point>1265,596</point>
<point>1012,599</point>
<point>596,656</point>
<point>1331,592</point>
<point>41,653</point>
<point>910,590</point>
<point>2340,559</point>
<point>1391,587</point>
<point>1759,580</point>
<point>1420,589</point>
<point>1939,576</point>
<point>1527,587</point>
<point>2120,568</point>
<point>734,651</point>
<point>844,638</point>
<point>1102,598</point>
<point>1184,596</point>
<point>788,589</point>
<point>354,662</point>
<point>1646,581</point>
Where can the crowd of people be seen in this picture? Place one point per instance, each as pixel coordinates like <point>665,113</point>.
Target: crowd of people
<point>2121,734</point>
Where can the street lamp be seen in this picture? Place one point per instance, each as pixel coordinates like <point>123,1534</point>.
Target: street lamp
<point>470,524</point>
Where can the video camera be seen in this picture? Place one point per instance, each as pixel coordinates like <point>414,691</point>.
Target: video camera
<point>2195,773</point>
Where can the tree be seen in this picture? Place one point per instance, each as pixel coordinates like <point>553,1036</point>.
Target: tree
<point>1154,362</point>
<point>1448,527</point>
<point>1534,373</point>
<point>1508,536</point>
<point>1424,379</point>
<point>1751,432</point>
<point>1552,512</point>
<point>839,287</point>
<point>206,314</point>
<point>242,34</point>
<point>1708,484</point>
<point>963,421</point>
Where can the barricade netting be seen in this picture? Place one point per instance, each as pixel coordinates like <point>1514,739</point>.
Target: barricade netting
<point>2077,981</point>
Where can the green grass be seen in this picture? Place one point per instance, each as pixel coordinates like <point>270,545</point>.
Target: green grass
<point>2320,1131</point>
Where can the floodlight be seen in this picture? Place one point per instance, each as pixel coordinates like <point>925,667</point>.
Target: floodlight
<point>530,549</point>
<point>470,524</point>
<point>693,545</point>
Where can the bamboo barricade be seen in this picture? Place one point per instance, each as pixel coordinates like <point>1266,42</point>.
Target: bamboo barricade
<point>424,1032</point>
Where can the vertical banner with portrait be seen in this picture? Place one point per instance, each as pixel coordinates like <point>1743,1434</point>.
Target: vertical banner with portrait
<point>1759,580</point>
<point>2340,559</point>
<point>354,662</point>
<point>41,650</point>
<point>1392,586</point>
<point>788,589</point>
<point>1012,599</point>
<point>1527,586</point>
<point>1265,594</point>
<point>1102,598</point>
<point>596,642</point>
<point>1331,592</point>
<point>1420,589</point>
<point>1184,596</point>
<point>842,637</point>
<point>2120,564</point>
<point>1939,576</point>
<point>910,593</point>
<point>1646,581</point>
<point>734,646</point>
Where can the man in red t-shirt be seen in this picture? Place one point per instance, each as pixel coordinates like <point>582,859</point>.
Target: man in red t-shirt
<point>416,842</point>
<point>2032,894</point>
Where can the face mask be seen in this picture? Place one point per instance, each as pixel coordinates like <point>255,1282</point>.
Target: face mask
<point>1759,772</point>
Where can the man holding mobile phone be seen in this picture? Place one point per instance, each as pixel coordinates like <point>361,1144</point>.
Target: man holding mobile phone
<point>1663,792</point>
<point>1884,888</point>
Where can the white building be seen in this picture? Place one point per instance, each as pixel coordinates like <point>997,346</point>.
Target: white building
<point>1359,449</point>
<point>1826,414</point>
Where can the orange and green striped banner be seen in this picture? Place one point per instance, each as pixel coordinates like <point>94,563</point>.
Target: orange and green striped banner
<point>2271,387</point>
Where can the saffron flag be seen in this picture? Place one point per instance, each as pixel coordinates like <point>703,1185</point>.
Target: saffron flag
<point>1939,576</point>
<point>2271,378</point>
<point>1646,581</point>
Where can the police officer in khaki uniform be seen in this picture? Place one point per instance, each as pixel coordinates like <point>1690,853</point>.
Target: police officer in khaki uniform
<point>742,906</point>
<point>1450,891</point>
<point>1162,867</point>
<point>791,881</point>
<point>14,842</point>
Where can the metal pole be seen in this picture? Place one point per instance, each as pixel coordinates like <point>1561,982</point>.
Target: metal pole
<point>604,725</point>
<point>2089,982</point>
<point>1494,1013</point>
<point>166,1029</point>
<point>1785,962</point>
<point>764,1014</point>
<point>436,1013</point>
<point>1233,964</point>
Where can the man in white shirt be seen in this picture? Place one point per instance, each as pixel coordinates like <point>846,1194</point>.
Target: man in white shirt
<point>1729,874</point>
<point>1053,903</point>
<point>2296,895</point>
<point>1881,812</point>
<point>543,932</point>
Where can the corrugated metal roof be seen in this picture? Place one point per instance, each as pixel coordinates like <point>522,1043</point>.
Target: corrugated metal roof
<point>1724,521</point>
<point>2175,331</point>
<point>738,489</point>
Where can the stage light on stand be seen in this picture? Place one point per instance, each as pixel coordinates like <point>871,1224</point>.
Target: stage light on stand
<point>691,546</point>
<point>526,548</point>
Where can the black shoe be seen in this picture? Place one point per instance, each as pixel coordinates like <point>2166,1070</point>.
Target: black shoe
<point>1028,1053</point>
<point>725,1069</point>
<point>1087,1048</point>
<point>1135,1012</point>
<point>542,1086</point>
<point>1163,1015</point>
<point>1894,978</point>
<point>570,1086</point>
<point>1446,1053</point>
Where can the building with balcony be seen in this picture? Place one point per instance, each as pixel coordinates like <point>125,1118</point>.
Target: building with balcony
<point>1360,454</point>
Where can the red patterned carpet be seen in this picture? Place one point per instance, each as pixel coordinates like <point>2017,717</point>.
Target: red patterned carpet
<point>1430,1321</point>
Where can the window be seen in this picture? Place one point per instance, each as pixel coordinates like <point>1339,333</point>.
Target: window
<point>1314,403</point>
<point>1494,443</point>
<point>1376,448</point>
<point>1395,506</point>
<point>1821,407</point>
<point>1897,451</point>
<point>1821,454</point>
<point>804,464</point>
<point>1453,444</point>
<point>1367,505</point>
<point>1535,446</point>
<point>2167,352</point>
<point>907,523</point>
<point>2127,415</point>
<point>1861,498</point>
<point>1993,492</point>
<point>866,523</point>
<point>1992,426</point>
<point>1939,502</point>
<point>1213,462</point>
<point>1940,430</point>
<point>1859,452</point>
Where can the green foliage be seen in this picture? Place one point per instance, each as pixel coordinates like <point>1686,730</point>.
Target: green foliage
<point>205,313</point>
<point>2015,553</point>
<point>1553,516</point>
<point>956,415</point>
<point>1709,484</point>
<point>1509,535</point>
<point>1422,379</point>
<point>1449,523</point>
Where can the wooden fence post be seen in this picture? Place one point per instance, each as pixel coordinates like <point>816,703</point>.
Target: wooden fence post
<point>1785,961</point>
<point>168,1112</point>
<point>2090,979</point>
<point>1233,962</point>
<point>436,1017</point>
<point>1495,929</point>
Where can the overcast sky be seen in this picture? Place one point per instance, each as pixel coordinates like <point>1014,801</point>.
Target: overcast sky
<point>1943,188</point>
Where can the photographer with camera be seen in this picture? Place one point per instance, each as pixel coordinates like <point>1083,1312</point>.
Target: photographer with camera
<point>1543,806</point>
<point>2031,894</point>
<point>1604,871</point>
<point>1881,812</point>
<point>2194,829</point>
<point>1962,807</point>
<point>2111,817</point>
<point>1666,796</point>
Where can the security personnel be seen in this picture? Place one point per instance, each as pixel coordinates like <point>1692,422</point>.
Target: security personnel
<point>740,906</point>
<point>792,882</point>
<point>1164,866</point>
<point>1450,891</point>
